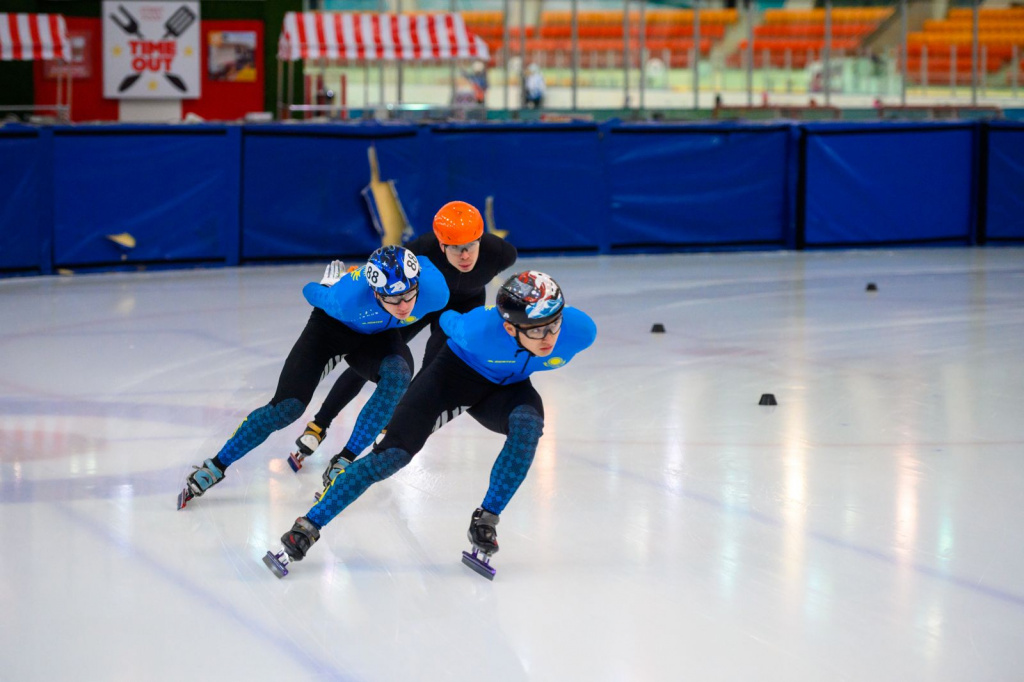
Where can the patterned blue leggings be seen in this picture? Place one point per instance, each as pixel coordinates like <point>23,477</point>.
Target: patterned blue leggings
<point>353,482</point>
<point>394,380</point>
<point>255,428</point>
<point>525,427</point>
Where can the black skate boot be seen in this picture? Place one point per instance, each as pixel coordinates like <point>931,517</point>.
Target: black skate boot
<point>199,481</point>
<point>484,538</point>
<point>295,544</point>
<point>307,443</point>
<point>337,464</point>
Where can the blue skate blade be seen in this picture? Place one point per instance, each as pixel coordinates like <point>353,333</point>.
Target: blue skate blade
<point>294,462</point>
<point>275,565</point>
<point>479,566</point>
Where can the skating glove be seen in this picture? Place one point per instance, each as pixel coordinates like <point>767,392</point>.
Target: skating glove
<point>333,273</point>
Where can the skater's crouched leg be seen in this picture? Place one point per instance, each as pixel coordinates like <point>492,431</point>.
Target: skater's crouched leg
<point>258,426</point>
<point>393,379</point>
<point>525,427</point>
<point>352,481</point>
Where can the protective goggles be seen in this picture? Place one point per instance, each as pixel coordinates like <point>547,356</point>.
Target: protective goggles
<point>462,248</point>
<point>400,298</point>
<point>538,333</point>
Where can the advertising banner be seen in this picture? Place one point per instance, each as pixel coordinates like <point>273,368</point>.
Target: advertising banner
<point>151,50</point>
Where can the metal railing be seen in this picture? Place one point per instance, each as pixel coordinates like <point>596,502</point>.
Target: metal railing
<point>645,58</point>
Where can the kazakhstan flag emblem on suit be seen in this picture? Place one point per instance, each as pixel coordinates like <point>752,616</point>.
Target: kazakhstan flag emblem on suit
<point>554,362</point>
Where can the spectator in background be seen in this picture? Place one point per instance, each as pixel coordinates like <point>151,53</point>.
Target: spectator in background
<point>478,79</point>
<point>534,87</point>
<point>877,64</point>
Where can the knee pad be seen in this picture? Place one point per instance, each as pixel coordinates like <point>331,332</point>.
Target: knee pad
<point>525,426</point>
<point>284,413</point>
<point>383,464</point>
<point>394,373</point>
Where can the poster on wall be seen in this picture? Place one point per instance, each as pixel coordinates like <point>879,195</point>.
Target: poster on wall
<point>150,50</point>
<point>232,56</point>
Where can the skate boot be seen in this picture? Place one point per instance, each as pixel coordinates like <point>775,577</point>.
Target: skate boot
<point>307,443</point>
<point>199,481</point>
<point>484,538</point>
<point>337,464</point>
<point>295,544</point>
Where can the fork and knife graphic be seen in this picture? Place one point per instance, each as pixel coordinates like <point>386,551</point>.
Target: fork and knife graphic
<point>177,24</point>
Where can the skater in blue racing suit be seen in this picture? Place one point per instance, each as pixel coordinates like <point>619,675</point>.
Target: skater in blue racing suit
<point>356,316</point>
<point>484,370</point>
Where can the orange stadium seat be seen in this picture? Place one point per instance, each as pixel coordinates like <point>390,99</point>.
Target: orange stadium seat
<point>668,33</point>
<point>792,36</point>
<point>999,30</point>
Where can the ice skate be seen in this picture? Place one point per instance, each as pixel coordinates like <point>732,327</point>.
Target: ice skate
<point>484,538</point>
<point>307,443</point>
<point>337,464</point>
<point>199,481</point>
<point>295,543</point>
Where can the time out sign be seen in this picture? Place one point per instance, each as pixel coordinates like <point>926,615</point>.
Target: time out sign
<point>150,50</point>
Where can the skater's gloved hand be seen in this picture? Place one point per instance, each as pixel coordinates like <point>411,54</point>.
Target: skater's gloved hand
<point>333,273</point>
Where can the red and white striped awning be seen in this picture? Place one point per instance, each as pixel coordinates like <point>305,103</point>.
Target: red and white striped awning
<point>373,37</point>
<point>33,36</point>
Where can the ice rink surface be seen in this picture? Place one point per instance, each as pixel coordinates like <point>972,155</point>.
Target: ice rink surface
<point>866,528</point>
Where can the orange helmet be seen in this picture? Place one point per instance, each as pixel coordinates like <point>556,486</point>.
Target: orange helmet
<point>458,223</point>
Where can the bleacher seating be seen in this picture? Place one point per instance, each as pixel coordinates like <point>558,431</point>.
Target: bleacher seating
<point>943,53</point>
<point>793,37</point>
<point>668,35</point>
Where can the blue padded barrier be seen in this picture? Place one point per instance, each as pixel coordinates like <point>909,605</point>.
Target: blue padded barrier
<point>26,201</point>
<point>301,187</point>
<point>875,183</point>
<point>221,194</point>
<point>547,179</point>
<point>699,184</point>
<point>173,188</point>
<point>1004,205</point>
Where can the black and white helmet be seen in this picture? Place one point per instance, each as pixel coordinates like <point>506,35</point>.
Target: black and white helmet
<point>530,298</point>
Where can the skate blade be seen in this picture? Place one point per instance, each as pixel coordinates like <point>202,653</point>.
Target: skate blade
<point>295,462</point>
<point>479,565</point>
<point>276,563</point>
<point>184,497</point>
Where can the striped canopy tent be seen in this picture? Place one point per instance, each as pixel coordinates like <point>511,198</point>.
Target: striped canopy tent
<point>26,37</point>
<point>366,37</point>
